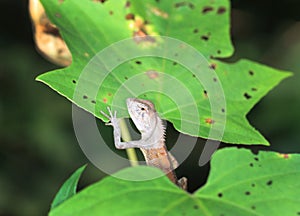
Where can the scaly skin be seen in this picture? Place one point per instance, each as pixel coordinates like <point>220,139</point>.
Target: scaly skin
<point>152,142</point>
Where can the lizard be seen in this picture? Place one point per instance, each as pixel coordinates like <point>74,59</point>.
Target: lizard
<point>152,142</point>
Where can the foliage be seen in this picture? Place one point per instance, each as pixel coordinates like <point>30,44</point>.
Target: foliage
<point>240,183</point>
<point>89,27</point>
<point>268,185</point>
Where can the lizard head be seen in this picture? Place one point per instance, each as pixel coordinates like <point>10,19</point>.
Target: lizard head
<point>142,113</point>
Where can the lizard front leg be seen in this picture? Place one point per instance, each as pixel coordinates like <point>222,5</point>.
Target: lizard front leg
<point>114,121</point>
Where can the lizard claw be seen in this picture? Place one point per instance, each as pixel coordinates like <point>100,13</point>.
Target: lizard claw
<point>112,117</point>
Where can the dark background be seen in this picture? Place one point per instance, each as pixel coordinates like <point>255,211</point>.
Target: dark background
<point>38,148</point>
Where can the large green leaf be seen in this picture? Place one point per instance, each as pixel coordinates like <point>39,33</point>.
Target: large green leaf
<point>68,189</point>
<point>188,93</point>
<point>240,183</point>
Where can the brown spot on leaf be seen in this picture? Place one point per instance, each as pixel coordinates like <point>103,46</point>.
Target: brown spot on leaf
<point>207,9</point>
<point>215,79</point>
<point>126,78</point>
<point>111,13</point>
<point>104,100</point>
<point>129,16</point>
<point>86,54</point>
<point>209,121</point>
<point>196,207</point>
<point>196,30</point>
<point>285,156</point>
<point>152,74</point>
<point>213,66</point>
<point>127,4</point>
<point>221,10</point>
<point>109,94</point>
<point>253,89</point>
<point>158,12</point>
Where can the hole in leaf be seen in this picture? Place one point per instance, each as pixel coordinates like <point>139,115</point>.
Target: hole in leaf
<point>221,10</point>
<point>74,81</point>
<point>196,30</point>
<point>251,73</point>
<point>182,4</point>
<point>256,159</point>
<point>207,9</point>
<point>251,164</point>
<point>126,78</point>
<point>174,63</point>
<point>247,193</point>
<point>254,89</point>
<point>215,79</point>
<point>269,183</point>
<point>247,96</point>
<point>93,101</point>
<point>205,93</point>
<point>220,195</point>
<point>85,97</point>
<point>219,51</point>
<point>205,37</point>
<point>223,110</point>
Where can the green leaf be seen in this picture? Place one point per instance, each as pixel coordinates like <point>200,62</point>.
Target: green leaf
<point>201,95</point>
<point>240,183</point>
<point>68,189</point>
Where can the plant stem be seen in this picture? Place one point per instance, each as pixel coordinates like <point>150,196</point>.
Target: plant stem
<point>131,154</point>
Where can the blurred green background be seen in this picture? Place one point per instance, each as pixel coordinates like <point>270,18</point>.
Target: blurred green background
<point>38,147</point>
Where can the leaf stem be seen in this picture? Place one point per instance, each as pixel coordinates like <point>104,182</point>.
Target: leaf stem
<point>131,154</point>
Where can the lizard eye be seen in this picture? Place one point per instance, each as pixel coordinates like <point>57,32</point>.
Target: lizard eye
<point>143,109</point>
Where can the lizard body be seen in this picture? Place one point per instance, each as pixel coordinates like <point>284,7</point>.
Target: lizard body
<point>152,142</point>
